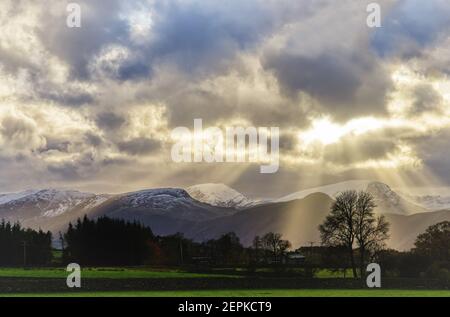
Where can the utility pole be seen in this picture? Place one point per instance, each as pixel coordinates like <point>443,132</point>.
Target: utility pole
<point>181,252</point>
<point>24,244</point>
<point>311,245</point>
<point>61,239</point>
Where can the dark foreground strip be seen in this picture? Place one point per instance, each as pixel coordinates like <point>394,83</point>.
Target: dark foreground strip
<point>214,306</point>
<point>50,285</point>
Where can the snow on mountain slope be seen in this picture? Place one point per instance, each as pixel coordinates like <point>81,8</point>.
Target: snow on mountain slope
<point>165,210</point>
<point>219,195</point>
<point>331,190</point>
<point>175,203</point>
<point>45,203</point>
<point>5,198</point>
<point>387,200</point>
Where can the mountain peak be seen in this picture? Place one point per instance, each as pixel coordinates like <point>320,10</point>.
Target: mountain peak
<point>219,195</point>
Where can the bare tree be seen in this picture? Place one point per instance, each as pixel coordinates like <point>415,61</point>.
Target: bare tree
<point>339,227</point>
<point>274,242</point>
<point>352,222</point>
<point>371,231</point>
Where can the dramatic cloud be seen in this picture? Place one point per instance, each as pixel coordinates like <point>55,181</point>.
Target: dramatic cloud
<point>86,107</point>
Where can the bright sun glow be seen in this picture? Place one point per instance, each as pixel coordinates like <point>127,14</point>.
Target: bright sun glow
<point>323,131</point>
<point>326,132</point>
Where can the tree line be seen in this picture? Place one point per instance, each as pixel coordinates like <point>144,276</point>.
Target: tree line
<point>19,246</point>
<point>111,242</point>
<point>107,242</point>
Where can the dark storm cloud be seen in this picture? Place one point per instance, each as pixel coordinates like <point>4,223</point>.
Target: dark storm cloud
<point>133,70</point>
<point>65,171</point>
<point>56,145</point>
<point>288,142</point>
<point>411,25</point>
<point>93,139</point>
<point>323,76</point>
<point>328,57</point>
<point>195,36</point>
<point>435,153</point>
<point>203,36</point>
<point>199,38</point>
<point>352,149</point>
<point>426,99</point>
<point>82,167</point>
<point>109,120</point>
<point>346,84</point>
<point>69,99</point>
<point>190,104</point>
<point>139,146</point>
<point>101,25</point>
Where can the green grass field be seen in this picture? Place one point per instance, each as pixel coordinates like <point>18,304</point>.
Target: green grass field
<point>118,273</point>
<point>252,293</point>
<point>152,273</point>
<point>124,273</point>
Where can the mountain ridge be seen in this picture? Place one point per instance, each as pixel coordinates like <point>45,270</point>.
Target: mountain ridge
<point>172,210</point>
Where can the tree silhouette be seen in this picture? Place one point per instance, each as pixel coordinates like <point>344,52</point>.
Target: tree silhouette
<point>24,246</point>
<point>352,222</point>
<point>371,231</point>
<point>435,242</point>
<point>339,226</point>
<point>108,242</point>
<point>274,243</point>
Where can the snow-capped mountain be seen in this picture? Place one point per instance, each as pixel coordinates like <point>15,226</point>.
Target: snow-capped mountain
<point>219,195</point>
<point>168,202</point>
<point>45,203</point>
<point>387,200</point>
<point>165,210</point>
<point>5,198</point>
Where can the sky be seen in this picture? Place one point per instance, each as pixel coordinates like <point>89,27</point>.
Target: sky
<point>92,108</point>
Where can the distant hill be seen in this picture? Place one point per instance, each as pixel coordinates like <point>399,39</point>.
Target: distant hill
<point>387,200</point>
<point>405,229</point>
<point>297,220</point>
<point>214,209</point>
